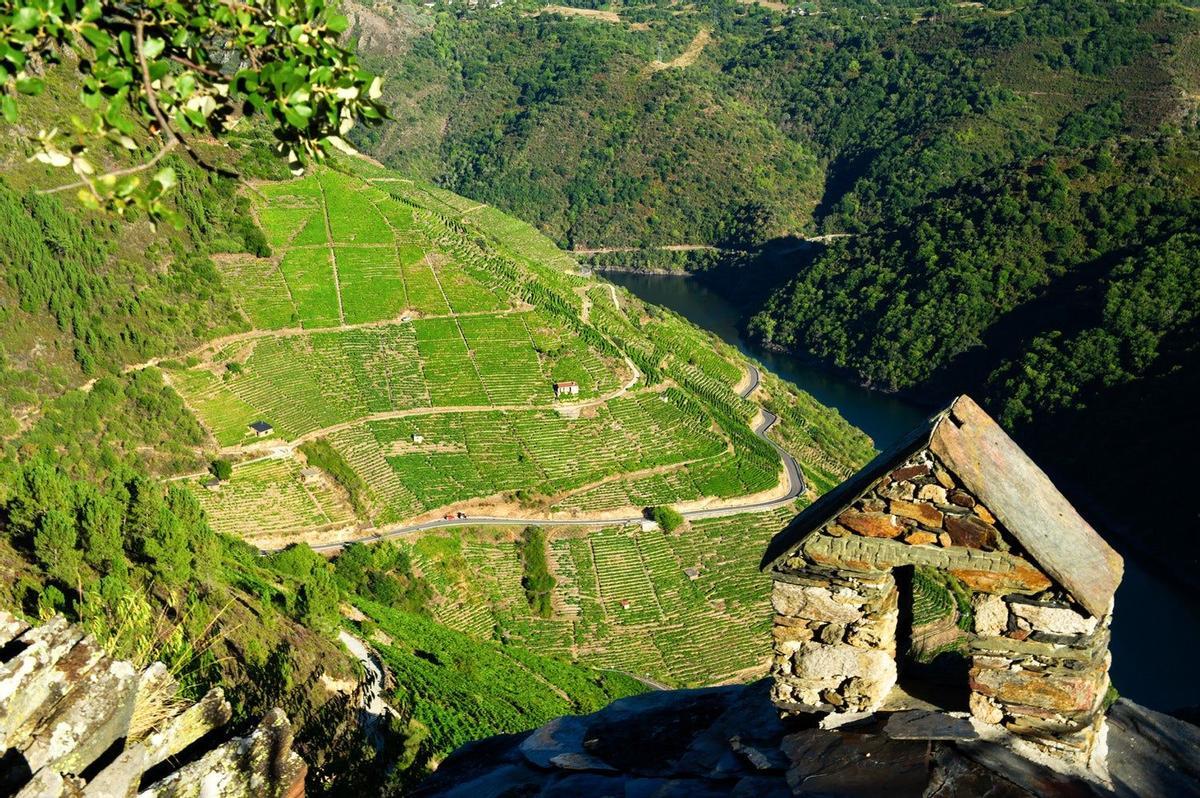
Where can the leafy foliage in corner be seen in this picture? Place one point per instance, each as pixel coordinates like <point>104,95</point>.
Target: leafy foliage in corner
<point>182,69</point>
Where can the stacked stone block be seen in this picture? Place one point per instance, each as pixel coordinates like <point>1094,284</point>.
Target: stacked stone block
<point>835,640</point>
<point>1040,668</point>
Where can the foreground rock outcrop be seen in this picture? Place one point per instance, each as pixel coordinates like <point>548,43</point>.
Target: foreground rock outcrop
<point>76,722</point>
<point>731,741</point>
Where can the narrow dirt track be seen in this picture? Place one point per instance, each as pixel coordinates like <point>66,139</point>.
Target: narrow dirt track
<point>795,481</point>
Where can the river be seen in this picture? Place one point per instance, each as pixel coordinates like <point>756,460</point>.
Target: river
<point>1156,626</point>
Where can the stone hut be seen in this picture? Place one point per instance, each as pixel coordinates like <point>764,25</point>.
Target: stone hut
<point>259,429</point>
<point>949,574</point>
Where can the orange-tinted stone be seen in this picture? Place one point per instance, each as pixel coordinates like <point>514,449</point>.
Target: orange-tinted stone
<point>909,472</point>
<point>871,525</point>
<point>972,532</point>
<point>1023,578</point>
<point>924,514</point>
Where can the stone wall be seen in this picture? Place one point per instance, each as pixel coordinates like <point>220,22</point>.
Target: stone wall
<point>1038,663</point>
<point>835,640</point>
<point>1040,668</point>
<point>76,722</point>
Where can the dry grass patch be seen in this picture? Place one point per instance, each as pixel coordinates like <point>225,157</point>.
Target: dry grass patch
<point>590,13</point>
<point>689,55</point>
<point>771,4</point>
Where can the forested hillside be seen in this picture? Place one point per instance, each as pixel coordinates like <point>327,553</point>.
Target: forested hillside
<point>1034,245</point>
<point>587,127</point>
<point>1014,184</point>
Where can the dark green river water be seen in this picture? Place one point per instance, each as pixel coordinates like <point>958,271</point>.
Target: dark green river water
<point>1156,626</point>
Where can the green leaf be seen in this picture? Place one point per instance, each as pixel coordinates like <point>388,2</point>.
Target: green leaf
<point>166,178</point>
<point>32,86</point>
<point>171,217</point>
<point>8,106</point>
<point>90,99</point>
<point>116,78</point>
<point>26,18</point>
<point>125,185</point>
<point>96,37</point>
<point>294,119</point>
<point>195,117</point>
<point>153,47</point>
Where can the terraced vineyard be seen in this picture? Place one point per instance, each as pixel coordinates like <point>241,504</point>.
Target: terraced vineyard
<point>422,335</point>
<point>686,609</point>
<point>296,505</point>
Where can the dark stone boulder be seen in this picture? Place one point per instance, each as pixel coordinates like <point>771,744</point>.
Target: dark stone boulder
<point>730,741</point>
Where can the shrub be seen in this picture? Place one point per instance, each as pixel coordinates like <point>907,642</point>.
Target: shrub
<point>537,580</point>
<point>668,518</point>
<point>317,605</point>
<point>221,469</point>
<point>320,453</point>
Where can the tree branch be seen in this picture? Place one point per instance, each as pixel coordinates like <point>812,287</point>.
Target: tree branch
<point>152,101</point>
<point>207,71</point>
<point>147,86</point>
<point>132,170</point>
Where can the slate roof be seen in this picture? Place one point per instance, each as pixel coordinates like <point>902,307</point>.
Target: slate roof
<point>261,426</point>
<point>991,465</point>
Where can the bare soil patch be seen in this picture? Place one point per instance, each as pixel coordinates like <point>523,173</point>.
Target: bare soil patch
<point>590,13</point>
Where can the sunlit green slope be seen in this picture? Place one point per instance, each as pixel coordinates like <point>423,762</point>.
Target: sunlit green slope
<point>407,341</point>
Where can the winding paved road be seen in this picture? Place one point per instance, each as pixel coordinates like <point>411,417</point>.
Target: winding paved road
<point>795,478</point>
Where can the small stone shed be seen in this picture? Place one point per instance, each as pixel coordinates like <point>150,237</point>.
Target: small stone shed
<point>959,499</point>
<point>259,429</point>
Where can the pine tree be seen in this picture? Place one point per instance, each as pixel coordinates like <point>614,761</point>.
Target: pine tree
<point>318,601</point>
<point>56,546</point>
<point>100,520</point>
